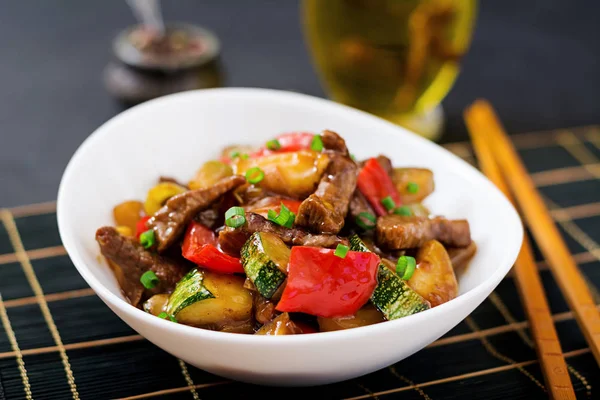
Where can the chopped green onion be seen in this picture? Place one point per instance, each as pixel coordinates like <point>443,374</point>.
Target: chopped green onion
<point>317,143</point>
<point>341,251</point>
<point>234,154</point>
<point>406,267</point>
<point>366,220</point>
<point>254,175</point>
<point>290,221</point>
<point>285,218</point>
<point>147,239</point>
<point>404,211</point>
<point>244,156</point>
<point>353,157</point>
<point>388,203</point>
<point>149,279</point>
<point>273,144</point>
<point>164,315</point>
<point>412,187</point>
<point>235,217</point>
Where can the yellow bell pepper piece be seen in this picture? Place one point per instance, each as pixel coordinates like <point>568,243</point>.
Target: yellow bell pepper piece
<point>159,194</point>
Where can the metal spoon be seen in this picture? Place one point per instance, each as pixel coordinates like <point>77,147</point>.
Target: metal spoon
<point>148,13</point>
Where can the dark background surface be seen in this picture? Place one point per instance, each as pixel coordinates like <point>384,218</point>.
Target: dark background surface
<point>537,61</point>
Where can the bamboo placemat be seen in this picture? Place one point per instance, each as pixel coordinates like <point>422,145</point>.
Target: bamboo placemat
<point>59,341</point>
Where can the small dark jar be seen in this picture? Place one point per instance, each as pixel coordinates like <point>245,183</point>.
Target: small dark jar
<point>148,65</point>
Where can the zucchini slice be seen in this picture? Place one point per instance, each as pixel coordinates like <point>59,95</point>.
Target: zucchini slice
<point>230,310</point>
<point>265,258</point>
<point>392,295</point>
<point>189,290</point>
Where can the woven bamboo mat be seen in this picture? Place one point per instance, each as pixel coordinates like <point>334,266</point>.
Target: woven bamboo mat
<point>59,341</point>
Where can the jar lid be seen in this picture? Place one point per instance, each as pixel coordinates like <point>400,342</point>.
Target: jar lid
<point>183,46</point>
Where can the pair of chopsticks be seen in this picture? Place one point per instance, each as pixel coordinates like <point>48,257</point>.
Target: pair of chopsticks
<point>499,161</point>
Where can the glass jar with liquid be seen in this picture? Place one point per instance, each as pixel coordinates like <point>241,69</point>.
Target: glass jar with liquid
<point>396,59</point>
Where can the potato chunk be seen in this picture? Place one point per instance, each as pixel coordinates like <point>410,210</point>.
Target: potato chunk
<point>434,277</point>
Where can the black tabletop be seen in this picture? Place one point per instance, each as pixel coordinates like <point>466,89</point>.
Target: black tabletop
<point>537,61</point>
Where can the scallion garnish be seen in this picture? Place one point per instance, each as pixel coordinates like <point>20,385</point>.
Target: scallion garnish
<point>388,203</point>
<point>412,187</point>
<point>285,218</point>
<point>244,156</point>
<point>406,267</point>
<point>234,154</point>
<point>235,217</point>
<point>164,315</point>
<point>353,157</point>
<point>317,143</point>
<point>273,144</point>
<point>147,238</point>
<point>255,175</point>
<point>149,279</point>
<point>341,251</point>
<point>290,221</point>
<point>403,210</point>
<point>366,220</point>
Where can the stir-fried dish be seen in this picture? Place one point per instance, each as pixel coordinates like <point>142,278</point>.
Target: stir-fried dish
<point>292,237</point>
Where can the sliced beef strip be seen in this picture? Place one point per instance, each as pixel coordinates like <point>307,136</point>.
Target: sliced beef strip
<point>214,215</point>
<point>170,221</point>
<point>359,204</point>
<point>168,179</point>
<point>270,201</point>
<point>460,256</point>
<point>397,232</point>
<point>386,164</point>
<point>334,142</point>
<point>134,260</point>
<point>264,309</point>
<point>231,240</point>
<point>325,210</point>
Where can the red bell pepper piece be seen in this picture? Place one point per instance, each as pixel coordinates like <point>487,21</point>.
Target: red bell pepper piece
<point>200,247</point>
<point>293,205</point>
<point>323,284</point>
<point>141,227</point>
<point>292,141</point>
<point>295,141</point>
<point>375,183</point>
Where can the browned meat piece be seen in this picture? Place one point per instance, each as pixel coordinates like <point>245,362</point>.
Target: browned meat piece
<point>397,232</point>
<point>460,256</point>
<point>168,179</point>
<point>325,210</point>
<point>264,309</point>
<point>359,204</point>
<point>231,240</point>
<point>210,216</point>
<point>170,221</point>
<point>214,215</point>
<point>334,142</point>
<point>249,194</point>
<point>265,203</point>
<point>134,260</point>
<point>282,325</point>
<point>386,164</point>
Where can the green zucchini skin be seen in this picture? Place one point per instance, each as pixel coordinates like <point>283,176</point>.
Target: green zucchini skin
<point>392,295</point>
<point>259,267</point>
<point>189,290</point>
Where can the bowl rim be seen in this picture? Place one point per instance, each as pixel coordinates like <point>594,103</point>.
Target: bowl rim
<point>113,300</point>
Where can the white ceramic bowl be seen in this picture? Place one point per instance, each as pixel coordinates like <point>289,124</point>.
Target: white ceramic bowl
<point>173,135</point>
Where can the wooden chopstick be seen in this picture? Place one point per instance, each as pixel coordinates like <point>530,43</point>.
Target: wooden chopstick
<point>556,253</point>
<point>528,280</point>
